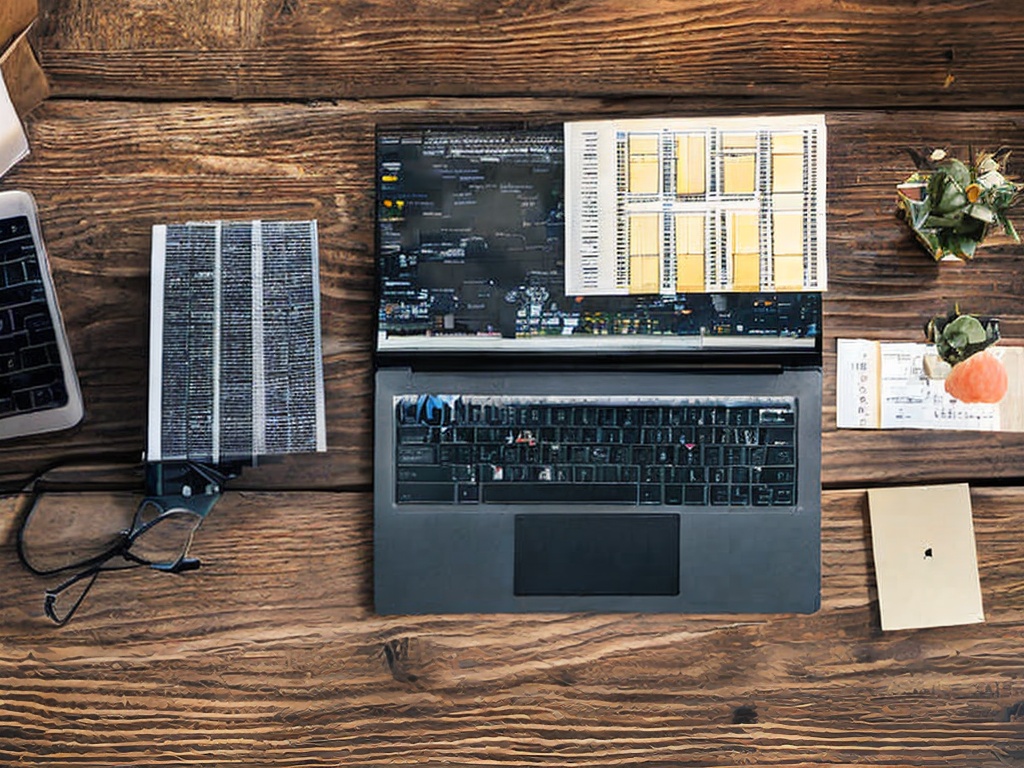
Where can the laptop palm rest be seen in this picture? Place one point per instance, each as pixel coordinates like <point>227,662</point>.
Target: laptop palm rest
<point>596,554</point>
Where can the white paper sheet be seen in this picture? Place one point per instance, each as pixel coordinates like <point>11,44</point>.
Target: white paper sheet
<point>13,142</point>
<point>882,385</point>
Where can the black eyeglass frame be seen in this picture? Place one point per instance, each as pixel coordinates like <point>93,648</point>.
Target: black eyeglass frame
<point>172,489</point>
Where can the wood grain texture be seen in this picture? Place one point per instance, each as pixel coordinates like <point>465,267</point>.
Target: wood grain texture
<point>271,655</point>
<point>104,173</point>
<point>839,53</point>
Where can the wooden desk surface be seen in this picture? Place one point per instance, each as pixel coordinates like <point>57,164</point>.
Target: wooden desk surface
<point>271,654</point>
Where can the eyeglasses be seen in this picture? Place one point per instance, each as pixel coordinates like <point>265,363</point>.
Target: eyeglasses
<point>80,535</point>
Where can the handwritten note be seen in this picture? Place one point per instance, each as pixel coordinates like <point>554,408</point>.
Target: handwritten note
<point>882,385</point>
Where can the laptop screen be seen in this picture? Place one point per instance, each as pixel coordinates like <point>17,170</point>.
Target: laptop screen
<point>593,237</point>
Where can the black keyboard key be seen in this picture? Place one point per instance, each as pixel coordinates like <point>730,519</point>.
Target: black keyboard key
<point>14,273</point>
<point>436,493</point>
<point>650,494</point>
<point>25,380</point>
<point>741,416</point>
<point>44,397</point>
<point>417,454</point>
<point>776,416</point>
<point>695,495</point>
<point>34,357</point>
<point>762,495</point>
<point>463,473</point>
<point>518,473</point>
<point>674,495</point>
<point>468,494</point>
<point>19,295</point>
<point>781,456</point>
<point>739,495</point>
<point>424,474</point>
<point>719,495</point>
<point>527,493</point>
<point>583,474</point>
<point>782,495</point>
<point>408,435</point>
<point>406,412</point>
<point>561,416</point>
<point>643,455</point>
<point>773,475</point>
<point>579,454</point>
<point>777,436</point>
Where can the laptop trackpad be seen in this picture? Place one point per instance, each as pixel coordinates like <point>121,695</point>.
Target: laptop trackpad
<point>593,554</point>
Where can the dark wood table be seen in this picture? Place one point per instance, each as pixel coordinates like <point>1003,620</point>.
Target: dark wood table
<point>271,654</point>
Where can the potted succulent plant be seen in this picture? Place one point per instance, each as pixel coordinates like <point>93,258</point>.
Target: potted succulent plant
<point>952,205</point>
<point>972,374</point>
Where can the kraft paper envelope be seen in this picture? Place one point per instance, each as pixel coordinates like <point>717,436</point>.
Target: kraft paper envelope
<point>25,79</point>
<point>15,17</point>
<point>925,560</point>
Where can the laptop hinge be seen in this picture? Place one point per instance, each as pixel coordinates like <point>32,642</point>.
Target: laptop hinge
<point>538,362</point>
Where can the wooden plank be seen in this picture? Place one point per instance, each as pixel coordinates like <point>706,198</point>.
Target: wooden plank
<point>271,654</point>
<point>104,173</point>
<point>811,52</point>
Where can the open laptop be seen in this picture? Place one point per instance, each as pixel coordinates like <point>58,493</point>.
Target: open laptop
<point>598,355</point>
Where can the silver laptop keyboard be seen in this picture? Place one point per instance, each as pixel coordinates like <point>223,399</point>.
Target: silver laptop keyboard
<point>674,451</point>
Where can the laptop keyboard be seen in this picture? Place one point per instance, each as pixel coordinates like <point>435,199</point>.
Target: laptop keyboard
<point>674,451</point>
<point>31,377</point>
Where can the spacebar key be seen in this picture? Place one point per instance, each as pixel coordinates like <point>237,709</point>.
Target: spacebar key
<point>534,493</point>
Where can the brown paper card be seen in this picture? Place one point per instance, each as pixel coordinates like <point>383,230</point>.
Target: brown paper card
<point>926,565</point>
<point>15,18</point>
<point>25,79</point>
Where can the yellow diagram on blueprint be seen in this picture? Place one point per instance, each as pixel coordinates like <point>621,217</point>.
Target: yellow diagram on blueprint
<point>667,206</point>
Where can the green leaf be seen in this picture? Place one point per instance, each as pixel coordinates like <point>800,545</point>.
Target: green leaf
<point>1009,228</point>
<point>951,199</point>
<point>968,327</point>
<point>958,172</point>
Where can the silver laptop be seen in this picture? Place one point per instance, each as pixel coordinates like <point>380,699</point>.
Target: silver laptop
<point>598,381</point>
